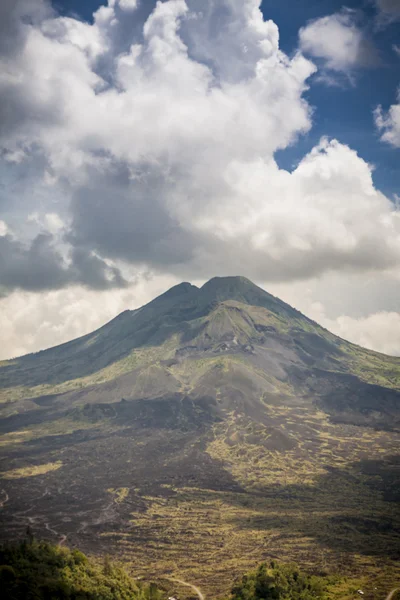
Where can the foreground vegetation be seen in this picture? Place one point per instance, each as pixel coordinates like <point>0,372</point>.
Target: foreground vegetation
<point>276,582</point>
<point>35,570</point>
<point>38,570</point>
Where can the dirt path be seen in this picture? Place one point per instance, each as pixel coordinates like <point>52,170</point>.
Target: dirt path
<point>392,593</point>
<point>82,527</point>
<point>196,590</point>
<point>62,537</point>
<point>6,499</point>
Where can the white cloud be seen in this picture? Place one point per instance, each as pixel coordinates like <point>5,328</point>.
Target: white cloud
<point>128,4</point>
<point>389,123</point>
<point>334,38</point>
<point>49,222</point>
<point>3,228</point>
<point>325,215</point>
<point>145,121</point>
<point>53,222</point>
<point>337,40</point>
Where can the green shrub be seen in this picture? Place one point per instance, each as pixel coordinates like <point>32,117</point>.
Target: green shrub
<point>278,582</point>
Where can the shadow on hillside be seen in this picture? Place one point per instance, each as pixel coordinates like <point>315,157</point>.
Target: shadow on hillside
<point>356,510</point>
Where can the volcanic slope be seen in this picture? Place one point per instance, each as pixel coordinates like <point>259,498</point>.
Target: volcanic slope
<point>203,432</point>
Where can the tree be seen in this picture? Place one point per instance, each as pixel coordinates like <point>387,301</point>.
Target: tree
<point>29,535</point>
<point>278,582</point>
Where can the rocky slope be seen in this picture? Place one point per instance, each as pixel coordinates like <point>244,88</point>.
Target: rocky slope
<point>226,344</point>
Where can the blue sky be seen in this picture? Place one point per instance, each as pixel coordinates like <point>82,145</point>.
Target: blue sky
<point>344,111</point>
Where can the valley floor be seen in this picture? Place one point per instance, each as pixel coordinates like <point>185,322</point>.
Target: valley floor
<point>206,506</point>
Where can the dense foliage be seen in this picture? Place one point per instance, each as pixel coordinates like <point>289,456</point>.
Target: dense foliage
<point>35,570</point>
<point>278,582</point>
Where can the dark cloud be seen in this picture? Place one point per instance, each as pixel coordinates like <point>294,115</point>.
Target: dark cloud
<point>36,267</point>
<point>93,272</point>
<point>125,218</point>
<point>39,266</point>
<point>19,110</point>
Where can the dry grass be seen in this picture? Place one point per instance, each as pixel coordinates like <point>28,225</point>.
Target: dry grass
<point>31,471</point>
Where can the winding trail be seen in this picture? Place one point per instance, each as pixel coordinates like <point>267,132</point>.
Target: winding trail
<point>62,538</point>
<point>196,590</point>
<point>47,526</point>
<point>82,527</point>
<point>6,499</point>
<point>392,593</point>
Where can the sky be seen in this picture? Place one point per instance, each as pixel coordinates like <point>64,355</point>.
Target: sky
<point>145,143</point>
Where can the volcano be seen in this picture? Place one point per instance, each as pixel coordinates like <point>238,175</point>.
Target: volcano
<point>213,421</point>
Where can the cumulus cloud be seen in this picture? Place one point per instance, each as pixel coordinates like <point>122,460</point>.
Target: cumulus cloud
<point>40,266</point>
<point>142,134</point>
<point>325,215</point>
<point>389,123</point>
<point>339,43</point>
<point>145,141</point>
<point>127,4</point>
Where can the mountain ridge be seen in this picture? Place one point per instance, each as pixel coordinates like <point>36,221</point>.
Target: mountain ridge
<point>184,331</point>
<point>174,293</point>
<point>195,301</point>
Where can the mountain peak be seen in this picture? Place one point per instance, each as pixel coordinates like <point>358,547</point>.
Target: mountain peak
<point>175,294</point>
<point>241,289</point>
<point>230,280</point>
<point>179,289</point>
<point>217,290</point>
<point>220,289</point>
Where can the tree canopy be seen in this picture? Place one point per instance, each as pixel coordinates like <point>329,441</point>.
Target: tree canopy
<point>34,570</point>
<point>278,582</point>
